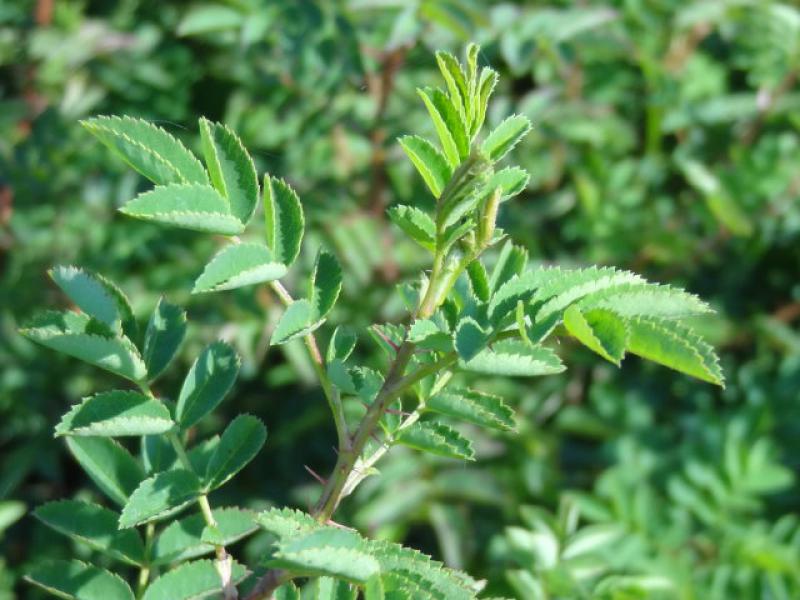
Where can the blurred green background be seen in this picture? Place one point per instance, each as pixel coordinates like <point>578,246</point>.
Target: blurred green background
<point>666,141</point>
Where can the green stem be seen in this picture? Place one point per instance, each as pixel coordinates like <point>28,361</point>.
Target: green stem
<point>331,392</point>
<point>144,572</point>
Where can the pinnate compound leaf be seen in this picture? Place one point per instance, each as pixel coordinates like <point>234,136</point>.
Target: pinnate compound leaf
<point>109,465</point>
<point>76,580</point>
<point>239,444</point>
<point>674,346</point>
<point>208,381</point>
<point>472,406</point>
<point>94,295</point>
<point>515,358</point>
<point>88,340</point>
<point>296,321</point>
<point>232,171</point>
<point>470,338</point>
<point>448,123</point>
<point>325,285</point>
<point>160,496</point>
<point>284,220</point>
<point>116,413</point>
<point>184,539</point>
<point>149,149</point>
<point>192,581</point>
<point>188,206</point>
<point>431,164</point>
<point>505,136</point>
<point>238,265</point>
<point>95,526</point>
<point>165,332</point>
<point>416,224</point>
<point>437,438</point>
<point>600,330</point>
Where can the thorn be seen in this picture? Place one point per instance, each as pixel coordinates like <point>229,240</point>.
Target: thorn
<point>339,525</point>
<point>315,475</point>
<point>394,411</point>
<point>385,338</point>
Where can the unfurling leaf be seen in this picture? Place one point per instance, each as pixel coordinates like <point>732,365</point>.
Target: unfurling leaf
<point>239,265</point>
<point>231,169</point>
<point>148,149</point>
<point>208,381</point>
<point>283,215</point>
<point>239,444</point>
<point>159,497</point>
<point>416,224</point>
<point>505,136</point>
<point>116,413</point>
<point>165,332</point>
<point>430,163</point>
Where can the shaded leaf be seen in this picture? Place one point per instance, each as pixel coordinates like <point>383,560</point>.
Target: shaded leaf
<point>74,579</point>
<point>191,581</point>
<point>239,444</point>
<point>208,381</point>
<point>515,358</point>
<point>94,526</point>
<point>284,220</point>
<point>602,331</point>
<point>437,438</point>
<point>108,464</point>
<point>325,285</point>
<point>341,344</point>
<point>165,332</point>
<point>472,406</point>
<point>94,295</point>
<point>470,338</point>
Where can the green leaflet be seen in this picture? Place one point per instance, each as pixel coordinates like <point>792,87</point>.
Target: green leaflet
<point>191,581</point>
<point>486,84</point>
<point>602,331</point>
<point>512,261</point>
<point>470,338</point>
<point>674,346</point>
<point>505,136</point>
<point>188,206</point>
<point>416,224</point>
<point>149,149</point>
<point>646,300</point>
<point>449,125</point>
<point>73,579</point>
<point>472,406</point>
<point>94,295</point>
<point>511,180</point>
<point>325,285</point>
<point>288,591</point>
<point>455,79</point>
<point>517,288</point>
<point>296,321</point>
<point>94,526</point>
<point>515,358</point>
<point>341,344</point>
<point>238,265</point>
<point>208,381</point>
<point>431,164</point>
<point>373,589</point>
<point>109,465</point>
<point>437,438</point>
<point>283,215</point>
<point>165,332</point>
<point>184,539</point>
<point>116,413</point>
<point>239,444</point>
<point>426,334</point>
<point>159,497</point>
<point>327,551</point>
<point>232,171</point>
<point>88,340</point>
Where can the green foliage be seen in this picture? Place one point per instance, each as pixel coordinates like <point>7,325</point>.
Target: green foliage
<point>664,143</point>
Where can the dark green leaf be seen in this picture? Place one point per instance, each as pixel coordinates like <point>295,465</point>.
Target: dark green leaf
<point>165,332</point>
<point>437,438</point>
<point>116,413</point>
<point>284,220</point>
<point>515,358</point>
<point>191,581</point>
<point>109,465</point>
<point>239,444</point>
<point>208,381</point>
<point>159,497</point>
<point>79,581</point>
<point>324,285</point>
